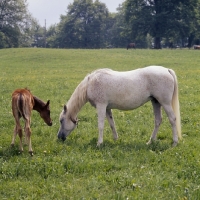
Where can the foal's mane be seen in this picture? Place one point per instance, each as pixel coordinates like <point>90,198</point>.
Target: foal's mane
<point>78,99</point>
<point>38,103</point>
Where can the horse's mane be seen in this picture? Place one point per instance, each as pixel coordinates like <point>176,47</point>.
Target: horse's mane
<point>78,98</point>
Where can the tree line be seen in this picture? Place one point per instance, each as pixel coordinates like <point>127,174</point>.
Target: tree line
<point>89,24</point>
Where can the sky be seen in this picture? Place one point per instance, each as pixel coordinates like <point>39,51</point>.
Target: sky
<point>50,10</point>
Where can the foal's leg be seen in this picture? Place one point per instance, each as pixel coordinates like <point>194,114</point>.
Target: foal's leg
<point>112,123</point>
<point>158,119</point>
<point>26,135</point>
<point>172,119</point>
<point>101,112</point>
<point>17,130</point>
<point>27,130</point>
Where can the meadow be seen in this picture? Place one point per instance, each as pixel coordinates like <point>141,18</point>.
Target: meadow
<point>77,169</point>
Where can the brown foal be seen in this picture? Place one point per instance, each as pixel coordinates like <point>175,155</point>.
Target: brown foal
<point>23,102</point>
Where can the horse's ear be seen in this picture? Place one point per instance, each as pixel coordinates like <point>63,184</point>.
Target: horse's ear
<point>65,108</point>
<point>48,102</point>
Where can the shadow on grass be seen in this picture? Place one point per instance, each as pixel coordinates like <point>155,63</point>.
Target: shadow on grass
<point>10,151</point>
<point>157,146</point>
<point>126,146</point>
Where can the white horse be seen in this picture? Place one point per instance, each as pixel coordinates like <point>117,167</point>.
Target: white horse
<point>106,89</point>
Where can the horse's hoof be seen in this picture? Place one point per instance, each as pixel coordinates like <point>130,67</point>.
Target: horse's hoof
<point>174,144</point>
<point>12,145</point>
<point>99,144</point>
<point>149,142</point>
<point>31,153</point>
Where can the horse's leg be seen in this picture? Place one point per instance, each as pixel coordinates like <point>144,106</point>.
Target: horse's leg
<point>112,123</point>
<point>17,130</point>
<point>172,119</point>
<point>28,135</point>
<point>158,119</point>
<point>101,112</point>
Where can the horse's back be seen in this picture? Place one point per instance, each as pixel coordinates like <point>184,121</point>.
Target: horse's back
<point>129,89</point>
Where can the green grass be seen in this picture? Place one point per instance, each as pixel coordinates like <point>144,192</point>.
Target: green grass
<point>77,169</point>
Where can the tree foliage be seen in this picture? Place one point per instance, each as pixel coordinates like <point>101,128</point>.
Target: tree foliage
<point>17,26</point>
<point>84,25</point>
<point>118,31</point>
<point>161,18</point>
<point>12,14</point>
<point>89,24</point>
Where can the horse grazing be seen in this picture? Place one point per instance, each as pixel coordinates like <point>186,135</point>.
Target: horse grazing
<point>131,45</point>
<point>106,89</point>
<point>23,102</point>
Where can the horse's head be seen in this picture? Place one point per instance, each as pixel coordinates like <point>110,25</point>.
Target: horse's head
<point>45,114</point>
<point>67,124</point>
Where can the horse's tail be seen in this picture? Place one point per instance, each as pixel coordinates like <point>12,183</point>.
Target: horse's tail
<point>175,104</point>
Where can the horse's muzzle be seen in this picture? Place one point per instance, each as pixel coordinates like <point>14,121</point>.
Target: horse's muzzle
<point>62,136</point>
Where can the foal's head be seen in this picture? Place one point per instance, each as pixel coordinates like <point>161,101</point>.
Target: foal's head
<point>67,124</point>
<point>45,114</point>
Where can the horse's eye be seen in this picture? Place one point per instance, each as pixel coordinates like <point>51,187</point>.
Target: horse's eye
<point>61,121</point>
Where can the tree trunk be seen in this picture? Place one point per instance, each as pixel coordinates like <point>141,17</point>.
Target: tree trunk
<point>157,43</point>
<point>190,40</point>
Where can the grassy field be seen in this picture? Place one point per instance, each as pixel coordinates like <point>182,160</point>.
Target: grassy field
<point>77,169</point>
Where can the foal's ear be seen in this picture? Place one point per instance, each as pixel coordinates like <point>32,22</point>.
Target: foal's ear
<point>47,104</point>
<point>65,108</point>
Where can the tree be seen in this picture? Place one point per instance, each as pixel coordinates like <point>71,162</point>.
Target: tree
<point>118,33</point>
<point>52,40</point>
<point>29,32</point>
<point>194,24</point>
<point>12,15</point>
<point>84,25</point>
<point>160,18</point>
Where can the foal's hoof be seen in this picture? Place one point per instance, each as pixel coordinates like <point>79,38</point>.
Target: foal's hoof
<point>12,145</point>
<point>31,153</point>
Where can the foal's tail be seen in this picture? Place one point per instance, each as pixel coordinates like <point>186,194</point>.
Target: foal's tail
<point>21,105</point>
<point>175,104</point>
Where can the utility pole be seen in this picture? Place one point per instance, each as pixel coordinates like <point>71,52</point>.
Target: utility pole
<point>45,34</point>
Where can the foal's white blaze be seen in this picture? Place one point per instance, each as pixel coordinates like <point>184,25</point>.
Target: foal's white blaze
<point>106,89</point>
